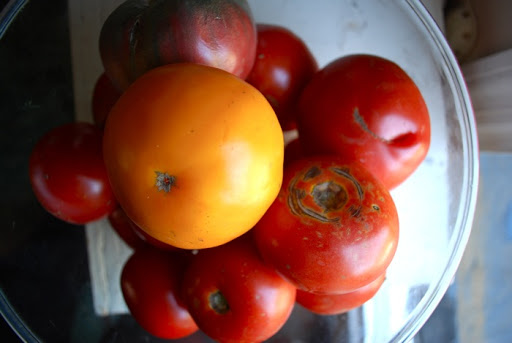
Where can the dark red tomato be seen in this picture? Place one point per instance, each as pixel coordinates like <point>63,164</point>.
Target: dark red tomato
<point>369,110</point>
<point>150,283</point>
<point>104,97</point>
<point>333,227</point>
<point>292,151</point>
<point>283,66</point>
<point>132,234</point>
<point>68,175</point>
<point>124,228</point>
<point>329,304</point>
<point>233,296</point>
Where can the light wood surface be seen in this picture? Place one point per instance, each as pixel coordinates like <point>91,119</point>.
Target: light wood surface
<point>106,252</point>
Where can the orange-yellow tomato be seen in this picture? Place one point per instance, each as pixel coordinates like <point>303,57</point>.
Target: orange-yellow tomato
<point>194,155</point>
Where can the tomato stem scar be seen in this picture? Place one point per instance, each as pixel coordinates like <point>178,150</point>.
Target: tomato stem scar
<point>218,302</point>
<point>164,181</point>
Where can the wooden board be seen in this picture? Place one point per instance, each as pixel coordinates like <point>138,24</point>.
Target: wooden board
<point>106,252</point>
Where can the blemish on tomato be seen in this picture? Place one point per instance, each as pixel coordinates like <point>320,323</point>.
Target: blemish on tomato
<point>360,121</point>
<point>164,182</point>
<point>311,173</point>
<point>330,196</point>
<point>218,302</point>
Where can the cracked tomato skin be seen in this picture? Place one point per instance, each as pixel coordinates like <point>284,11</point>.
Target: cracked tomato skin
<point>194,155</point>
<point>68,176</point>
<point>333,227</point>
<point>367,109</point>
<point>234,296</point>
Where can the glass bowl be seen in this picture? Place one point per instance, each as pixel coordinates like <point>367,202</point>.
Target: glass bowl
<point>59,282</point>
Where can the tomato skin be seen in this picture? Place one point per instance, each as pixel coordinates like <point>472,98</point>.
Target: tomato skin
<point>333,227</point>
<point>332,304</point>
<point>150,284</point>
<point>259,299</point>
<point>132,235</point>
<point>197,125</point>
<point>283,66</point>
<point>124,228</point>
<point>369,110</point>
<point>68,176</point>
<point>292,151</point>
<point>104,97</point>
<point>140,35</point>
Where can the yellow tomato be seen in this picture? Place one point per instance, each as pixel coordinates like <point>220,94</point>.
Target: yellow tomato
<point>194,155</point>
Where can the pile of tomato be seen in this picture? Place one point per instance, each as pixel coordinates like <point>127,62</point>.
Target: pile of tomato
<point>230,225</point>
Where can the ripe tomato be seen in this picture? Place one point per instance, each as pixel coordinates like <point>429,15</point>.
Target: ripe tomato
<point>104,97</point>
<point>194,155</point>
<point>329,304</point>
<point>283,66</point>
<point>150,284</point>
<point>233,296</point>
<point>68,175</point>
<point>140,35</point>
<point>292,151</point>
<point>133,235</point>
<point>333,227</point>
<point>369,110</point>
<point>124,228</point>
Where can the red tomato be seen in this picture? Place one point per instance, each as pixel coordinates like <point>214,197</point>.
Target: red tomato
<point>150,283</point>
<point>124,228</point>
<point>292,151</point>
<point>329,304</point>
<point>369,110</point>
<point>104,97</point>
<point>68,175</point>
<point>132,234</point>
<point>233,296</point>
<point>283,66</point>
<point>333,227</point>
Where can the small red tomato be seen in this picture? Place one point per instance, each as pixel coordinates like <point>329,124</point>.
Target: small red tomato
<point>283,66</point>
<point>233,296</point>
<point>330,304</point>
<point>150,283</point>
<point>333,227</point>
<point>132,234</point>
<point>369,110</point>
<point>104,97</point>
<point>68,175</point>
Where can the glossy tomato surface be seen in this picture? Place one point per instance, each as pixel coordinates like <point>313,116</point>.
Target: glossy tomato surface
<point>150,283</point>
<point>283,66</point>
<point>331,304</point>
<point>233,296</point>
<point>68,175</point>
<point>333,227</point>
<point>194,155</point>
<point>369,110</point>
<point>140,35</point>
